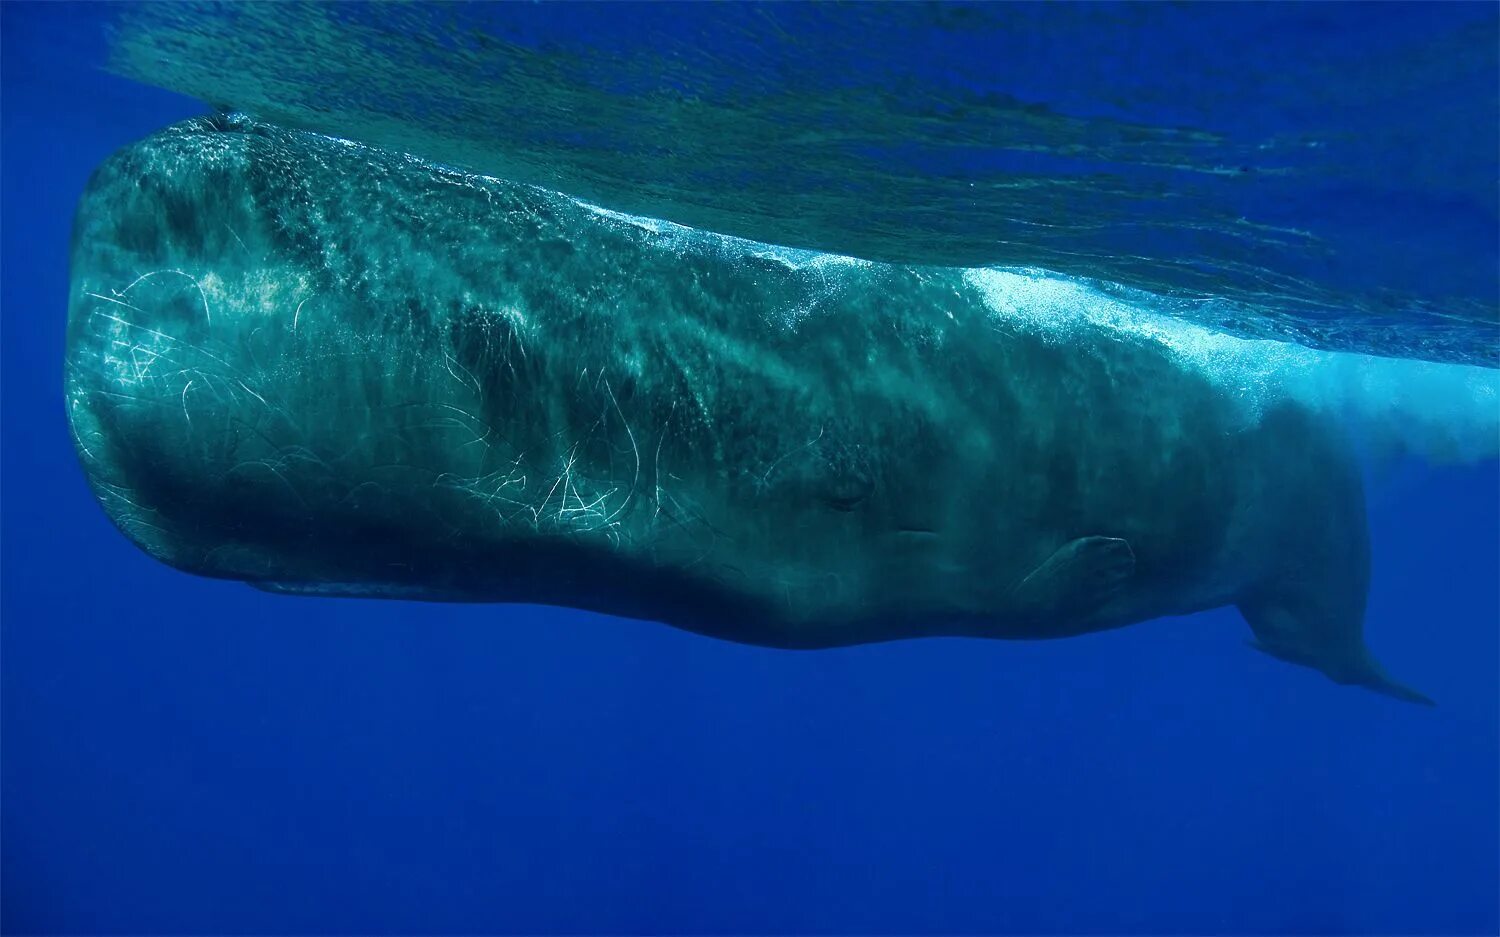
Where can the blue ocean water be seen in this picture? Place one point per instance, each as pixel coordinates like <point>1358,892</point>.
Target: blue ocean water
<point>187,755</point>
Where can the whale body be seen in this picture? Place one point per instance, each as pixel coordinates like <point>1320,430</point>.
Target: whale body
<point>325,369</point>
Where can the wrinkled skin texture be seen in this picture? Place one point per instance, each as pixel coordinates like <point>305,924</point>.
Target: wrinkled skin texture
<point>324,369</point>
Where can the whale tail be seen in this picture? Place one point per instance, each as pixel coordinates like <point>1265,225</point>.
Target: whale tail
<point>1309,606</point>
<point>1373,677</point>
<point>1358,669</point>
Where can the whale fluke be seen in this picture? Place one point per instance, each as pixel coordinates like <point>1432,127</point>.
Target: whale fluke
<point>1368,673</point>
<point>1365,672</point>
<point>1380,683</point>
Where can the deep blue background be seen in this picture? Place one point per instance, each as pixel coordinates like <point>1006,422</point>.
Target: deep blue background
<point>181,754</point>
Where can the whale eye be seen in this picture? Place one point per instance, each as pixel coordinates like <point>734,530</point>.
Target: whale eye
<point>827,471</point>
<point>847,493</point>
<point>845,480</point>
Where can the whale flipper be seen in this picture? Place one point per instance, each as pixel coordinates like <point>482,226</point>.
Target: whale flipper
<point>1079,578</point>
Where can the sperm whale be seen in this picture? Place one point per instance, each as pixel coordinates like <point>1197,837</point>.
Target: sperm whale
<point>325,369</point>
